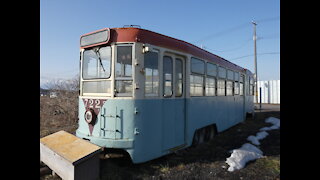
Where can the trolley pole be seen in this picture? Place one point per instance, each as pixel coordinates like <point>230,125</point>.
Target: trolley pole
<point>255,60</point>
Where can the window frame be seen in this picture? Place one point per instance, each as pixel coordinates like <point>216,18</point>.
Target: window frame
<point>110,63</point>
<point>241,84</point>
<point>202,89</point>
<point>204,66</point>
<point>203,75</point>
<point>164,79</point>
<point>220,79</point>
<point>159,75</point>
<point>116,61</point>
<point>251,86</point>
<point>211,76</point>
<point>116,93</point>
<point>230,79</point>
<point>236,83</point>
<point>229,89</point>
<point>216,71</point>
<point>177,79</point>
<point>107,94</point>
<point>218,87</point>
<point>225,74</point>
<point>215,86</point>
<point>108,80</point>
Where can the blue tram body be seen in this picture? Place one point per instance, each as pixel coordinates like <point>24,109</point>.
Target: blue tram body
<point>115,110</point>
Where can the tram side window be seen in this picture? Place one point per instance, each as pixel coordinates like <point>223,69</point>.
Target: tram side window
<point>124,71</point>
<point>248,86</point>
<point>236,83</point>
<point>230,78</point>
<point>251,87</point>
<point>241,85</point>
<point>211,79</point>
<point>210,86</point>
<point>167,76</point>
<point>221,89</point>
<point>196,85</point>
<point>196,77</point>
<point>229,88</point>
<point>179,78</point>
<point>197,66</point>
<point>151,74</point>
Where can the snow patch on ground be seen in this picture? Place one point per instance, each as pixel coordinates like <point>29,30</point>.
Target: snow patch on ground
<point>241,156</point>
<point>255,139</point>
<point>248,152</point>
<point>274,121</point>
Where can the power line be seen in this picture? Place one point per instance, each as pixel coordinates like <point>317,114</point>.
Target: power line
<point>235,28</point>
<point>241,26</point>
<point>269,36</point>
<point>253,55</point>
<point>233,49</point>
<point>274,36</point>
<point>268,19</point>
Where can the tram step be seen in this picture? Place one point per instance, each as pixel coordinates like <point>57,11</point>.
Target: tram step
<point>70,157</point>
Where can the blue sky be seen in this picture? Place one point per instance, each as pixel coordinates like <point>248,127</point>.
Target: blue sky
<point>222,27</point>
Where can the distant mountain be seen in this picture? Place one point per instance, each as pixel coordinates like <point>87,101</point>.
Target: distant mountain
<point>44,92</point>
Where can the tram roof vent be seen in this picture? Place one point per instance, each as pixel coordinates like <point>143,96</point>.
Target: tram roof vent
<point>134,26</point>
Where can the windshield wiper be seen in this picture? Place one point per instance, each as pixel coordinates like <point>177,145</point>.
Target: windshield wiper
<point>98,54</point>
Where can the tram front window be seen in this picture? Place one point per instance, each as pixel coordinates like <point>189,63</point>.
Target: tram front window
<point>97,63</point>
<point>96,66</point>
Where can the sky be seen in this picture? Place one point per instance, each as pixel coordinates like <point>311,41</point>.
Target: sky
<point>222,27</point>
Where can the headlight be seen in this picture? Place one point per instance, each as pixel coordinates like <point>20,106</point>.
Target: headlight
<point>88,116</point>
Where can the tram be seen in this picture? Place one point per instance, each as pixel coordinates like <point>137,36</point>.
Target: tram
<point>150,95</point>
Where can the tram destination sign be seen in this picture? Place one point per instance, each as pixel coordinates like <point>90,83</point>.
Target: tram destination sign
<point>98,37</point>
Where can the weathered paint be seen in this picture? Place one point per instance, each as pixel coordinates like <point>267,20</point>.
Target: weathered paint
<point>145,36</point>
<point>148,128</point>
<point>162,124</point>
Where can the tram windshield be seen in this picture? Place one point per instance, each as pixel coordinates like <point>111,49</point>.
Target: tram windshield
<point>97,63</point>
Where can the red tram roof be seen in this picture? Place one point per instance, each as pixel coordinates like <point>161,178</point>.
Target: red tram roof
<point>132,34</point>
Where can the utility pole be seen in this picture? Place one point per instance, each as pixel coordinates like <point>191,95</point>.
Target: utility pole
<point>255,60</point>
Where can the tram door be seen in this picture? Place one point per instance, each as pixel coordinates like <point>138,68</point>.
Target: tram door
<point>173,105</point>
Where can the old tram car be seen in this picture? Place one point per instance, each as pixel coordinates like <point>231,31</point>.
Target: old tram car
<point>149,94</point>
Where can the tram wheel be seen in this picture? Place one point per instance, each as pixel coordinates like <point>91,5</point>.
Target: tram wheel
<point>201,135</point>
<point>207,133</point>
<point>196,137</point>
<point>212,132</point>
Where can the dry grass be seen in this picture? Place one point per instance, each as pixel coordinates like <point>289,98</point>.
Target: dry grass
<point>60,113</point>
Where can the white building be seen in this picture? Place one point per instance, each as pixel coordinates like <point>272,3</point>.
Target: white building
<point>270,91</point>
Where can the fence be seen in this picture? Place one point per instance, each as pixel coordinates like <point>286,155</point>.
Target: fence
<point>270,92</point>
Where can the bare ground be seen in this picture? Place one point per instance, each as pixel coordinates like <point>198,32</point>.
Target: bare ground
<point>206,161</point>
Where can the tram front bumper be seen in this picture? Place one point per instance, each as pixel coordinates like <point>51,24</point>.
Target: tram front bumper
<point>108,143</point>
